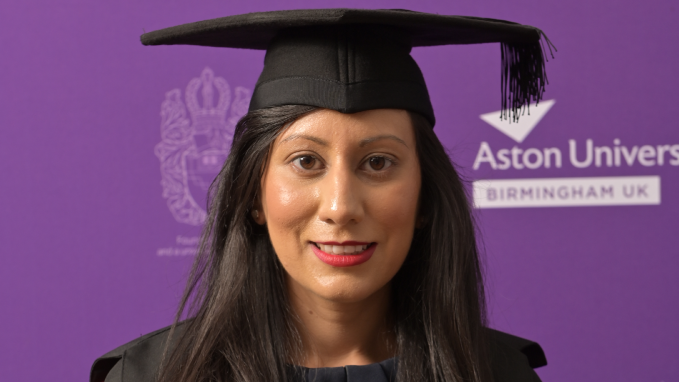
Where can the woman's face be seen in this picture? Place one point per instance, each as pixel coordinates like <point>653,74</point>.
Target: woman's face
<point>339,198</point>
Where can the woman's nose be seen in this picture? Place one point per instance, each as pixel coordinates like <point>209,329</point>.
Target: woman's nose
<point>341,199</point>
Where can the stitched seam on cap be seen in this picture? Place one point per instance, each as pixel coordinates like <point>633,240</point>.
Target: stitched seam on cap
<point>339,82</point>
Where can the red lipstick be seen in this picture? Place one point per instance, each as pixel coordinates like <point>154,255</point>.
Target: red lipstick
<point>344,260</point>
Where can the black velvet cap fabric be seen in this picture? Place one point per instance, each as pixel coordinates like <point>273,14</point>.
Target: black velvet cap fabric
<point>344,68</point>
<point>352,60</point>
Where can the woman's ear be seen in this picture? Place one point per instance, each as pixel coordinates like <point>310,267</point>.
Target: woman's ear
<point>258,215</point>
<point>256,211</point>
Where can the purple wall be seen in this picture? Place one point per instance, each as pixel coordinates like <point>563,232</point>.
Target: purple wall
<point>93,256</point>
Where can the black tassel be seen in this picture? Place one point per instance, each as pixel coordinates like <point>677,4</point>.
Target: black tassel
<point>523,75</point>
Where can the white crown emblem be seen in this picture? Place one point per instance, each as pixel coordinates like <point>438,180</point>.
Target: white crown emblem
<point>192,152</point>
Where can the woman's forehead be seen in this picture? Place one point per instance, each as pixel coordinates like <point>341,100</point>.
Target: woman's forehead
<point>329,125</point>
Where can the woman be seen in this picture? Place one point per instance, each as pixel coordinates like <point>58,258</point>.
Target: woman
<point>339,244</point>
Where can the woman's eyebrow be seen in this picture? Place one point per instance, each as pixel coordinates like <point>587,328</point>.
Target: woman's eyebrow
<point>308,137</point>
<point>380,137</point>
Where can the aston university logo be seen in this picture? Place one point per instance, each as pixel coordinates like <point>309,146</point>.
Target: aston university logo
<point>576,154</point>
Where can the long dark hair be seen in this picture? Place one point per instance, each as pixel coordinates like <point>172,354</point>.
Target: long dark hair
<point>241,327</point>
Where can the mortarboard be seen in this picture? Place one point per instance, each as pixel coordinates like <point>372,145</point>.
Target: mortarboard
<point>352,60</point>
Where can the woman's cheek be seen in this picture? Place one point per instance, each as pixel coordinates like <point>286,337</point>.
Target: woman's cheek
<point>289,207</point>
<point>396,207</point>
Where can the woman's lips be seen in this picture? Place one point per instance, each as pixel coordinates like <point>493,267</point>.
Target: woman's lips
<point>346,247</point>
<point>346,254</point>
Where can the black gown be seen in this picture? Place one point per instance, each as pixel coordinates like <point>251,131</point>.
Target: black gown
<point>513,360</point>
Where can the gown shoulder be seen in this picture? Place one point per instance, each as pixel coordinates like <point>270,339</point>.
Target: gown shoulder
<point>512,358</point>
<point>137,360</point>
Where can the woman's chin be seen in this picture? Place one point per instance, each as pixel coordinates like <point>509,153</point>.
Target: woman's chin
<point>344,288</point>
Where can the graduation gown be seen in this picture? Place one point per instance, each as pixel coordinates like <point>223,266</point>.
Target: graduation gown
<point>513,360</point>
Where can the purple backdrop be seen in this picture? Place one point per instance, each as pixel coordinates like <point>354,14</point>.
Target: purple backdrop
<point>93,255</point>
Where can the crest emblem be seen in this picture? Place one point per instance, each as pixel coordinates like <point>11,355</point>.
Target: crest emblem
<point>192,151</point>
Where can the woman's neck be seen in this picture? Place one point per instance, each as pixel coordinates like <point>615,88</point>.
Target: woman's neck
<point>342,333</point>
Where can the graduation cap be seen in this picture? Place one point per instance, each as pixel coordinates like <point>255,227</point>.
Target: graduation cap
<point>352,60</point>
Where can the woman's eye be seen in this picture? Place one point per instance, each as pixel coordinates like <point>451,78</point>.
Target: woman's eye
<point>306,162</point>
<point>378,163</point>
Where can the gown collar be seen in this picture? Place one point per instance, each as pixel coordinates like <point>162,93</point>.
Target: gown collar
<point>384,371</point>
